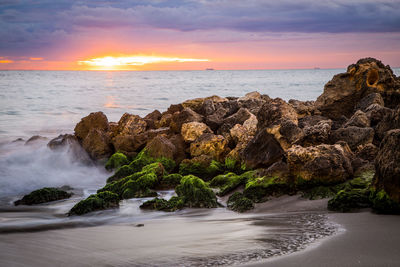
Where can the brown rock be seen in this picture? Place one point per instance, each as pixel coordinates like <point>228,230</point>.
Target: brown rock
<point>303,108</point>
<point>131,125</point>
<point>353,136</point>
<point>376,114</point>
<point>71,144</point>
<point>262,151</point>
<point>367,152</point>
<point>97,144</point>
<point>322,164</point>
<point>387,165</point>
<point>371,99</point>
<point>181,147</point>
<point>159,147</point>
<point>192,130</point>
<point>251,101</point>
<point>186,115</point>
<point>316,134</point>
<point>95,120</point>
<point>238,118</point>
<point>211,145</point>
<point>345,90</point>
<point>152,119</point>
<point>359,119</point>
<point>389,122</point>
<point>275,112</point>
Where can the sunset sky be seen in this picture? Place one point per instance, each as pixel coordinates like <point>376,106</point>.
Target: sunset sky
<point>186,35</point>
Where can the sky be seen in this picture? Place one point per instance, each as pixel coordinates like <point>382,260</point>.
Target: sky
<point>196,34</point>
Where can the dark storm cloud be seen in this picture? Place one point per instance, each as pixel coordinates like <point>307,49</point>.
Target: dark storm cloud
<point>29,23</point>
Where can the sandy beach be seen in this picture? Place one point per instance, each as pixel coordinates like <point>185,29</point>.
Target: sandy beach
<point>366,239</point>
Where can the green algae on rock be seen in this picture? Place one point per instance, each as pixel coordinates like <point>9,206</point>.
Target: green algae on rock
<point>116,161</point>
<point>238,202</point>
<point>170,180</point>
<point>382,203</point>
<point>258,189</point>
<point>202,166</point>
<point>100,201</point>
<point>175,203</point>
<point>195,193</point>
<point>230,181</point>
<point>43,195</point>
<point>349,200</point>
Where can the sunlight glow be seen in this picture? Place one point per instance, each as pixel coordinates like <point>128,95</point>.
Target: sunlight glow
<point>110,61</point>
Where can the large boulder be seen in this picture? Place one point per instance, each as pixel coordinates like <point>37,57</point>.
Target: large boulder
<point>97,144</point>
<point>262,151</point>
<point>274,112</point>
<point>211,145</point>
<point>184,116</point>
<point>152,119</point>
<point>389,122</point>
<point>386,182</point>
<point>316,134</point>
<point>192,130</point>
<point>71,144</point>
<point>303,108</point>
<point>43,195</point>
<point>131,125</point>
<point>371,99</point>
<point>353,136</point>
<point>161,146</point>
<point>238,118</point>
<point>345,90</point>
<point>359,119</point>
<point>322,164</point>
<point>252,101</point>
<point>95,120</point>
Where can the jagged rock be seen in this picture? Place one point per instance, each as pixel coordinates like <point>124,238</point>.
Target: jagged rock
<point>34,139</point>
<point>262,151</point>
<point>152,118</point>
<point>389,122</point>
<point>251,101</point>
<point>128,143</point>
<point>353,136</point>
<point>316,134</point>
<point>97,144</point>
<point>376,113</point>
<point>244,133</point>
<point>303,108</point>
<point>186,115</point>
<point>165,120</point>
<point>386,182</point>
<point>274,112</point>
<point>205,105</point>
<point>367,152</point>
<point>159,147</point>
<point>287,133</point>
<point>322,164</point>
<point>359,119</point>
<point>210,145</point>
<point>238,118</point>
<point>71,144</point>
<point>192,130</point>
<point>345,90</point>
<point>95,120</point>
<point>180,146</point>
<point>131,125</point>
<point>310,121</point>
<point>371,99</point>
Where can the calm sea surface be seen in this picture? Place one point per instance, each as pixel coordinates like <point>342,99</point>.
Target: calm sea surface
<point>52,102</point>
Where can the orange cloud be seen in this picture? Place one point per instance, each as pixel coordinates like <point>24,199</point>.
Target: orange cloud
<point>36,58</point>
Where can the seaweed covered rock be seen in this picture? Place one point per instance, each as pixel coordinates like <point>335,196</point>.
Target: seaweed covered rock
<point>195,193</point>
<point>116,161</point>
<point>173,204</point>
<point>345,90</point>
<point>320,165</point>
<point>238,202</point>
<point>349,200</point>
<point>43,195</point>
<point>386,182</point>
<point>95,120</point>
<point>139,184</point>
<point>170,181</point>
<point>230,181</point>
<point>259,189</point>
<point>203,166</point>
<point>100,201</point>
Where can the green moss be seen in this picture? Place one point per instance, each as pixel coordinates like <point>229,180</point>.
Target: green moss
<point>238,202</point>
<point>121,172</point>
<point>230,181</point>
<point>116,160</point>
<point>348,200</point>
<point>43,195</point>
<point>319,192</point>
<point>99,201</point>
<point>383,203</point>
<point>171,180</point>
<point>231,164</point>
<point>259,189</point>
<point>196,193</point>
<point>202,169</point>
<point>139,183</point>
<point>143,159</point>
<point>175,203</point>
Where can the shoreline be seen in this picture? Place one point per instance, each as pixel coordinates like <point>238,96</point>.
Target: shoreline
<point>368,239</point>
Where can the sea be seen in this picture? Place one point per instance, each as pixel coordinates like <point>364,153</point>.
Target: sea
<point>50,103</point>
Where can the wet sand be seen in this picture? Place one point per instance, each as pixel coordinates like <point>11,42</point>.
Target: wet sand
<point>367,239</point>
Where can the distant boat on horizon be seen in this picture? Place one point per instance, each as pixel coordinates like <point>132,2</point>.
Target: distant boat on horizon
<point>209,69</point>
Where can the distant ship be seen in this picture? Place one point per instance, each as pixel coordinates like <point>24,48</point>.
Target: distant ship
<point>209,69</point>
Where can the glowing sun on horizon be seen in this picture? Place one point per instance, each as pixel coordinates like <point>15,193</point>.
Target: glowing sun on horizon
<point>117,62</point>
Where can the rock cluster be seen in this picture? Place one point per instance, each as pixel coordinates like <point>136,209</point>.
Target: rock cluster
<point>286,146</point>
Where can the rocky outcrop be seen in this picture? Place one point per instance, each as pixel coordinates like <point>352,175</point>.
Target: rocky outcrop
<point>386,182</point>
<point>211,145</point>
<point>95,120</point>
<point>97,144</point>
<point>322,164</point>
<point>161,146</point>
<point>43,195</point>
<point>353,136</point>
<point>274,112</point>
<point>342,94</point>
<point>192,130</point>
